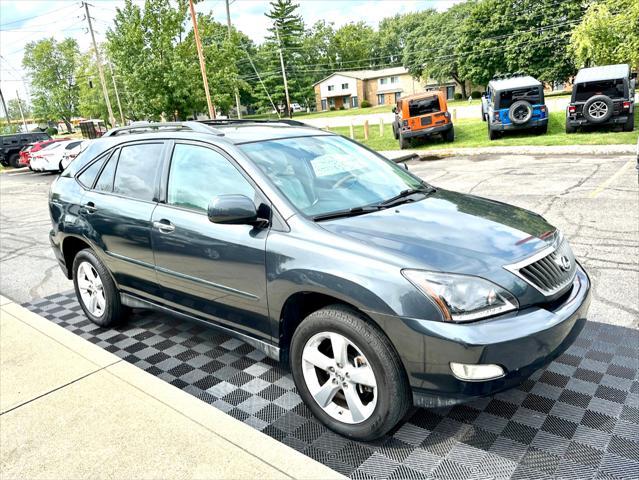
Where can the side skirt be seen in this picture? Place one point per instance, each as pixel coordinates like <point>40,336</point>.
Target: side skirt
<point>264,347</point>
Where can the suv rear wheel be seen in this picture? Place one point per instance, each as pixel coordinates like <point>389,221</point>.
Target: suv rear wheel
<point>349,374</point>
<point>492,134</point>
<point>629,126</point>
<point>520,112</point>
<point>96,291</point>
<point>449,135</point>
<point>14,160</point>
<point>404,143</point>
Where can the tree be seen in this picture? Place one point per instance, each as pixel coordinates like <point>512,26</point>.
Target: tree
<point>431,48</point>
<point>607,34</point>
<point>90,96</point>
<point>52,66</point>
<point>13,107</point>
<point>509,36</point>
<point>354,46</point>
<point>396,33</point>
<point>285,33</point>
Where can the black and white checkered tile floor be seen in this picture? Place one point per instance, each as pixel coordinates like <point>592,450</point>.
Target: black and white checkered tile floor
<point>577,419</point>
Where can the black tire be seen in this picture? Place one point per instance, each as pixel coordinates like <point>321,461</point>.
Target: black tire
<point>394,397</point>
<point>629,126</point>
<point>114,312</point>
<point>395,131</point>
<point>542,130</point>
<point>597,103</point>
<point>14,160</point>
<point>520,112</point>
<point>570,128</point>
<point>449,135</point>
<point>404,143</point>
<point>492,134</point>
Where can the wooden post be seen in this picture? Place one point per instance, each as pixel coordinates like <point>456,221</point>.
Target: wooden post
<point>200,54</point>
<point>366,130</point>
<point>454,114</point>
<point>381,127</point>
<point>352,130</point>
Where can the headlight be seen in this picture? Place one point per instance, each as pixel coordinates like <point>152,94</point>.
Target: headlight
<point>462,298</point>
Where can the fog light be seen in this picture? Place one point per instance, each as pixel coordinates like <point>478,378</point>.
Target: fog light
<point>476,373</point>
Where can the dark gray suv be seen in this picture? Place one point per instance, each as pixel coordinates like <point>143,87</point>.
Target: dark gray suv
<point>379,290</point>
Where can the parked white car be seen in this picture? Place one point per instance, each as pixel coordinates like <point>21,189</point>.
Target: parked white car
<point>70,153</point>
<point>49,159</point>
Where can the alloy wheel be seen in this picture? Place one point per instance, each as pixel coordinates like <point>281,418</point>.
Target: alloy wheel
<point>91,289</point>
<point>339,377</point>
<point>598,109</point>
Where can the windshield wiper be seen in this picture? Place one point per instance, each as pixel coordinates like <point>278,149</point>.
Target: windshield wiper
<point>404,195</point>
<point>351,212</point>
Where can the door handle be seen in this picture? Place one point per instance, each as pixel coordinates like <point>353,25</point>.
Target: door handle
<point>89,207</point>
<point>164,226</point>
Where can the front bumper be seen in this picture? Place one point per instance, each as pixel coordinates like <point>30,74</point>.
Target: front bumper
<point>534,123</point>
<point>427,132</point>
<point>520,342</point>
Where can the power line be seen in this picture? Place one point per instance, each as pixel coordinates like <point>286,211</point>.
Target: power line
<point>38,16</point>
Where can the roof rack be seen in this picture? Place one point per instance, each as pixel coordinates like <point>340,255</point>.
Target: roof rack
<point>145,127</point>
<point>506,76</point>
<point>231,121</point>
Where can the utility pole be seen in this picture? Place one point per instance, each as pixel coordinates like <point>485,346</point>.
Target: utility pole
<point>24,123</point>
<point>200,54</point>
<point>237,94</point>
<point>117,95</point>
<point>288,100</point>
<point>105,92</point>
<point>4,105</point>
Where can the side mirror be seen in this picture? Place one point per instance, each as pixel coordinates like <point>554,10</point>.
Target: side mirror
<point>394,109</point>
<point>232,210</point>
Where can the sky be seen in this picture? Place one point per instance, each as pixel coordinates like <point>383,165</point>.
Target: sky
<point>23,21</point>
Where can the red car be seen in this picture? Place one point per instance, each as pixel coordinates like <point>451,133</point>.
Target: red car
<point>26,152</point>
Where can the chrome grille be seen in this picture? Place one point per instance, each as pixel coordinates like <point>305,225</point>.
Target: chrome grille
<point>550,270</point>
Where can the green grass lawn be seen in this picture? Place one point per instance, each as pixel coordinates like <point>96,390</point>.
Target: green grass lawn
<point>474,133</point>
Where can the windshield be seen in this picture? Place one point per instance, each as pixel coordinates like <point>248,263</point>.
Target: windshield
<point>326,174</point>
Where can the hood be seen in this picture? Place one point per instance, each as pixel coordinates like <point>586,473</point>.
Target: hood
<point>451,232</point>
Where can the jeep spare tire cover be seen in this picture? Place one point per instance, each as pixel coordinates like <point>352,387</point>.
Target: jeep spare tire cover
<point>520,112</point>
<point>598,109</point>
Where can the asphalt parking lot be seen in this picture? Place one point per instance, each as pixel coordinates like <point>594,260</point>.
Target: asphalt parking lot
<point>593,199</point>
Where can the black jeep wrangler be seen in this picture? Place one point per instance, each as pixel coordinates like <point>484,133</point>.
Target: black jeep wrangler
<point>602,96</point>
<point>10,146</point>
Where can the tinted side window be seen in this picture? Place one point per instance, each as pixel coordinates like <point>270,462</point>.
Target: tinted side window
<point>137,170</point>
<point>105,182</point>
<point>87,177</point>
<point>198,174</point>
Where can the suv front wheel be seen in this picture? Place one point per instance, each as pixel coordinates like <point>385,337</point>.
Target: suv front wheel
<point>349,374</point>
<point>96,291</point>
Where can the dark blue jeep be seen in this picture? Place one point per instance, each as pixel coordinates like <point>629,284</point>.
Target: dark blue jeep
<point>514,103</point>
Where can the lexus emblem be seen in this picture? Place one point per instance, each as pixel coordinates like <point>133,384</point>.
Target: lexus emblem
<point>563,262</point>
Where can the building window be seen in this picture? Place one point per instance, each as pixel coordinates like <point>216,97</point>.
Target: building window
<point>344,86</point>
<point>383,81</point>
<point>331,102</point>
<point>324,107</point>
<point>345,101</point>
<point>380,99</point>
<point>331,88</point>
<point>394,80</point>
<point>354,102</point>
<point>397,96</point>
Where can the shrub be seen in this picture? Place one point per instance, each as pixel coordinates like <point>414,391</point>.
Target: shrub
<point>475,94</point>
<point>332,109</point>
<point>458,96</point>
<point>365,104</point>
<point>51,131</point>
<point>342,107</point>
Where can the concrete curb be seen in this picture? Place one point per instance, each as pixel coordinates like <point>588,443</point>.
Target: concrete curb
<point>519,150</point>
<point>288,461</point>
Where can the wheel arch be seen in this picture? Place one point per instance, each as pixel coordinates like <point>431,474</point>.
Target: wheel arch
<point>71,245</point>
<point>300,305</point>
